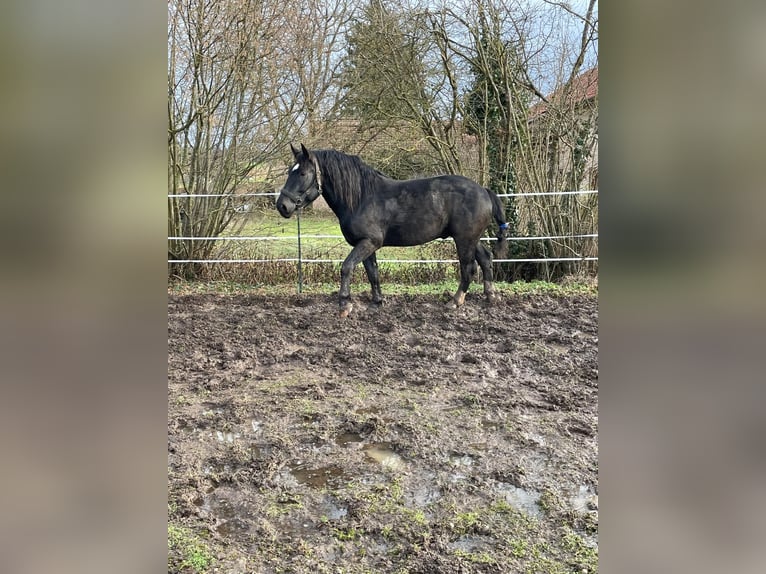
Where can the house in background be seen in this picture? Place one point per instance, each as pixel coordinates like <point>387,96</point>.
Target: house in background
<point>565,127</point>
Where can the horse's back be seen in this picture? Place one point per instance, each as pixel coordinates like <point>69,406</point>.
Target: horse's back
<point>467,200</point>
<point>420,210</point>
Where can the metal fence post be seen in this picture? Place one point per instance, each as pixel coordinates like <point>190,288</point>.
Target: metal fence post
<point>300,266</point>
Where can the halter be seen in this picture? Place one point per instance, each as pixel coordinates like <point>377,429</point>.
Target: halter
<point>310,193</point>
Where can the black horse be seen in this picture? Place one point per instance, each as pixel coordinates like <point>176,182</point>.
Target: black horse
<point>375,210</point>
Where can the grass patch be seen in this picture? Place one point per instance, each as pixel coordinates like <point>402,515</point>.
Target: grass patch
<point>186,550</point>
<point>476,558</point>
<point>346,534</point>
<point>465,522</point>
<point>282,242</point>
<point>580,555</point>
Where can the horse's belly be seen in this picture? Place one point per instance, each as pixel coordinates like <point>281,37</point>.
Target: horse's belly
<point>410,237</point>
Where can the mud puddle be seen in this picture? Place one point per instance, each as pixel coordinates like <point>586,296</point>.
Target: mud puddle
<point>318,477</point>
<point>383,454</point>
<point>528,501</point>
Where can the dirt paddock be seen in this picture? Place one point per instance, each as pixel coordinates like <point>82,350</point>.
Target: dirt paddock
<point>412,438</point>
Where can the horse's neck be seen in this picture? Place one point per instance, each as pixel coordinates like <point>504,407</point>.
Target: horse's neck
<point>337,200</point>
<point>334,201</point>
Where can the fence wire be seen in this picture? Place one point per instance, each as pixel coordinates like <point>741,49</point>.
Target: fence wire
<point>258,235</point>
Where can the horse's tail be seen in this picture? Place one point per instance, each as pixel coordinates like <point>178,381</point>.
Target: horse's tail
<point>501,247</point>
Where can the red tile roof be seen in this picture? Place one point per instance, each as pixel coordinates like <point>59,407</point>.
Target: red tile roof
<point>583,88</point>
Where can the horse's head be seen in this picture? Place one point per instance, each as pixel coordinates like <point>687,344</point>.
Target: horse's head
<point>303,185</point>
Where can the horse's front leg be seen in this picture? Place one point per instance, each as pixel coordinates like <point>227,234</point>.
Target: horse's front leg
<point>371,267</point>
<point>360,252</point>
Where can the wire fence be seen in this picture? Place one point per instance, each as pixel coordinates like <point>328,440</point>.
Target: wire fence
<point>340,237</point>
<point>260,236</point>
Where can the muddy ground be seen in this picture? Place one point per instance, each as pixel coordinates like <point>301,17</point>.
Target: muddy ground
<point>412,438</point>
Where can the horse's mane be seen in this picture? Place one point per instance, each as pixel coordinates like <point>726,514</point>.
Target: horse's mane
<point>350,178</point>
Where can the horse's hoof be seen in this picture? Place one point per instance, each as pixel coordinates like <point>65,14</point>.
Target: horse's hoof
<point>490,293</point>
<point>457,300</point>
<point>345,310</point>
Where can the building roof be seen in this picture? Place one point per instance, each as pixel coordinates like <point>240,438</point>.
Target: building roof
<point>583,88</point>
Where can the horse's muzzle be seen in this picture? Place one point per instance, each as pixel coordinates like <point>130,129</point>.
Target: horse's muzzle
<point>285,206</point>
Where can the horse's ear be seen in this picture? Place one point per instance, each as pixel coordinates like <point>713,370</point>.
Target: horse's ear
<point>295,151</point>
<point>306,152</point>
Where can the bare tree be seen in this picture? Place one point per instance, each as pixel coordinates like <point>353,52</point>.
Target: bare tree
<point>559,143</point>
<point>313,46</point>
<point>391,76</point>
<point>531,136</point>
<point>222,121</point>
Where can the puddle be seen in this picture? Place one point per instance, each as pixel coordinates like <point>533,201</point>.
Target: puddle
<point>585,500</point>
<point>346,438</point>
<point>423,494</point>
<point>456,477</point>
<point>220,506</point>
<point>227,437</point>
<point>316,477</point>
<point>332,510</point>
<point>524,500</point>
<point>535,465</point>
<point>473,543</point>
<point>590,540</point>
<point>383,454</point>
<point>462,460</point>
<point>260,451</point>
<point>231,527</point>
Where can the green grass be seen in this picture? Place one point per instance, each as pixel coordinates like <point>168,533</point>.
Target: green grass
<point>398,265</point>
<point>346,534</point>
<point>581,556</point>
<point>186,550</point>
<point>476,558</point>
<point>465,521</point>
<point>267,224</point>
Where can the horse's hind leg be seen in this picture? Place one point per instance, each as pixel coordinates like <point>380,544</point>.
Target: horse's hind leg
<point>466,254</point>
<point>371,267</point>
<point>485,262</point>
